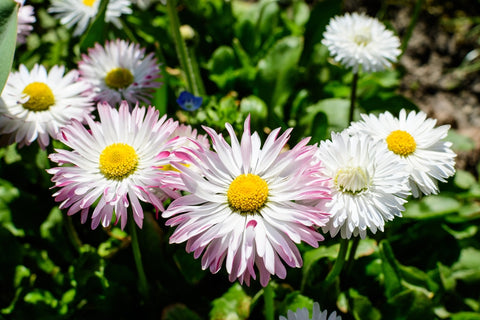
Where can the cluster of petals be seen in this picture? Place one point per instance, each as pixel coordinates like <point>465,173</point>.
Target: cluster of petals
<point>79,13</point>
<point>209,224</point>
<point>81,183</point>
<point>370,185</point>
<point>69,100</point>
<point>303,314</point>
<point>358,41</point>
<point>26,18</point>
<point>131,61</point>
<point>432,159</point>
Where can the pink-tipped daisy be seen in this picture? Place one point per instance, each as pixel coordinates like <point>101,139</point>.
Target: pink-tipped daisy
<point>115,163</point>
<point>26,18</point>
<point>37,104</point>
<point>120,71</point>
<point>244,204</point>
<point>358,41</point>
<point>80,13</point>
<point>369,184</point>
<point>416,142</point>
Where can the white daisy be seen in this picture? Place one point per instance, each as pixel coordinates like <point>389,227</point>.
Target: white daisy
<point>38,104</point>
<point>79,13</point>
<point>370,184</point>
<point>115,163</point>
<point>244,204</point>
<point>356,40</point>
<point>120,71</point>
<point>26,18</point>
<point>416,142</point>
<point>302,314</point>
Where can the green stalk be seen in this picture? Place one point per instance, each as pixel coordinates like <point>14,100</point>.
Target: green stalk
<point>337,267</point>
<point>142,279</point>
<point>411,26</point>
<point>268,296</point>
<point>192,76</point>
<point>353,97</point>
<point>351,254</point>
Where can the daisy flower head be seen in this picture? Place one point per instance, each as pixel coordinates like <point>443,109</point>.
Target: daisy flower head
<point>120,71</point>
<point>358,41</point>
<point>80,13</point>
<point>370,184</point>
<point>37,104</point>
<point>26,18</point>
<point>416,142</point>
<point>243,204</point>
<point>113,164</point>
<point>302,314</point>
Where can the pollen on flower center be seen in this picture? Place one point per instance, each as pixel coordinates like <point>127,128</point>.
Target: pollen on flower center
<point>247,193</point>
<point>119,78</point>
<point>352,180</point>
<point>89,3</point>
<point>362,37</point>
<point>40,96</point>
<point>401,142</point>
<point>118,161</point>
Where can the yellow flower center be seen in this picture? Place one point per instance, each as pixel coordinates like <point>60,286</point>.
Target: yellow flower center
<point>40,96</point>
<point>247,193</point>
<point>351,180</point>
<point>118,161</point>
<point>401,143</point>
<point>363,37</point>
<point>89,3</point>
<point>119,78</point>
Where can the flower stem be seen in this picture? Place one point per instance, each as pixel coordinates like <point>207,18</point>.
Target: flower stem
<point>192,76</point>
<point>353,97</point>
<point>351,254</point>
<point>268,295</point>
<point>142,279</point>
<point>337,267</point>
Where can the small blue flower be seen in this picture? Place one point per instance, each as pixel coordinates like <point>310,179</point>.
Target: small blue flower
<point>188,101</point>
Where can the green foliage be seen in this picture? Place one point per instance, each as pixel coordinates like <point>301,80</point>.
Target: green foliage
<point>8,37</point>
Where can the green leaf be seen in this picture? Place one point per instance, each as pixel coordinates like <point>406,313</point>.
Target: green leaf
<point>179,312</point>
<point>432,206</point>
<point>337,111</point>
<point>257,109</point>
<point>8,38</point>
<point>391,271</point>
<point>277,73</point>
<point>467,268</point>
<point>234,305</point>
<point>294,301</point>
<point>460,142</point>
<point>464,179</point>
<point>465,316</point>
<point>362,308</point>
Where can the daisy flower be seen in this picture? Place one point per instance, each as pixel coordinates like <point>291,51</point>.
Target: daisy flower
<point>356,40</point>
<point>302,314</point>
<point>80,13</point>
<point>120,71</point>
<point>416,142</point>
<point>25,19</point>
<point>370,184</point>
<point>243,204</point>
<point>38,104</point>
<point>186,137</point>
<point>113,164</point>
